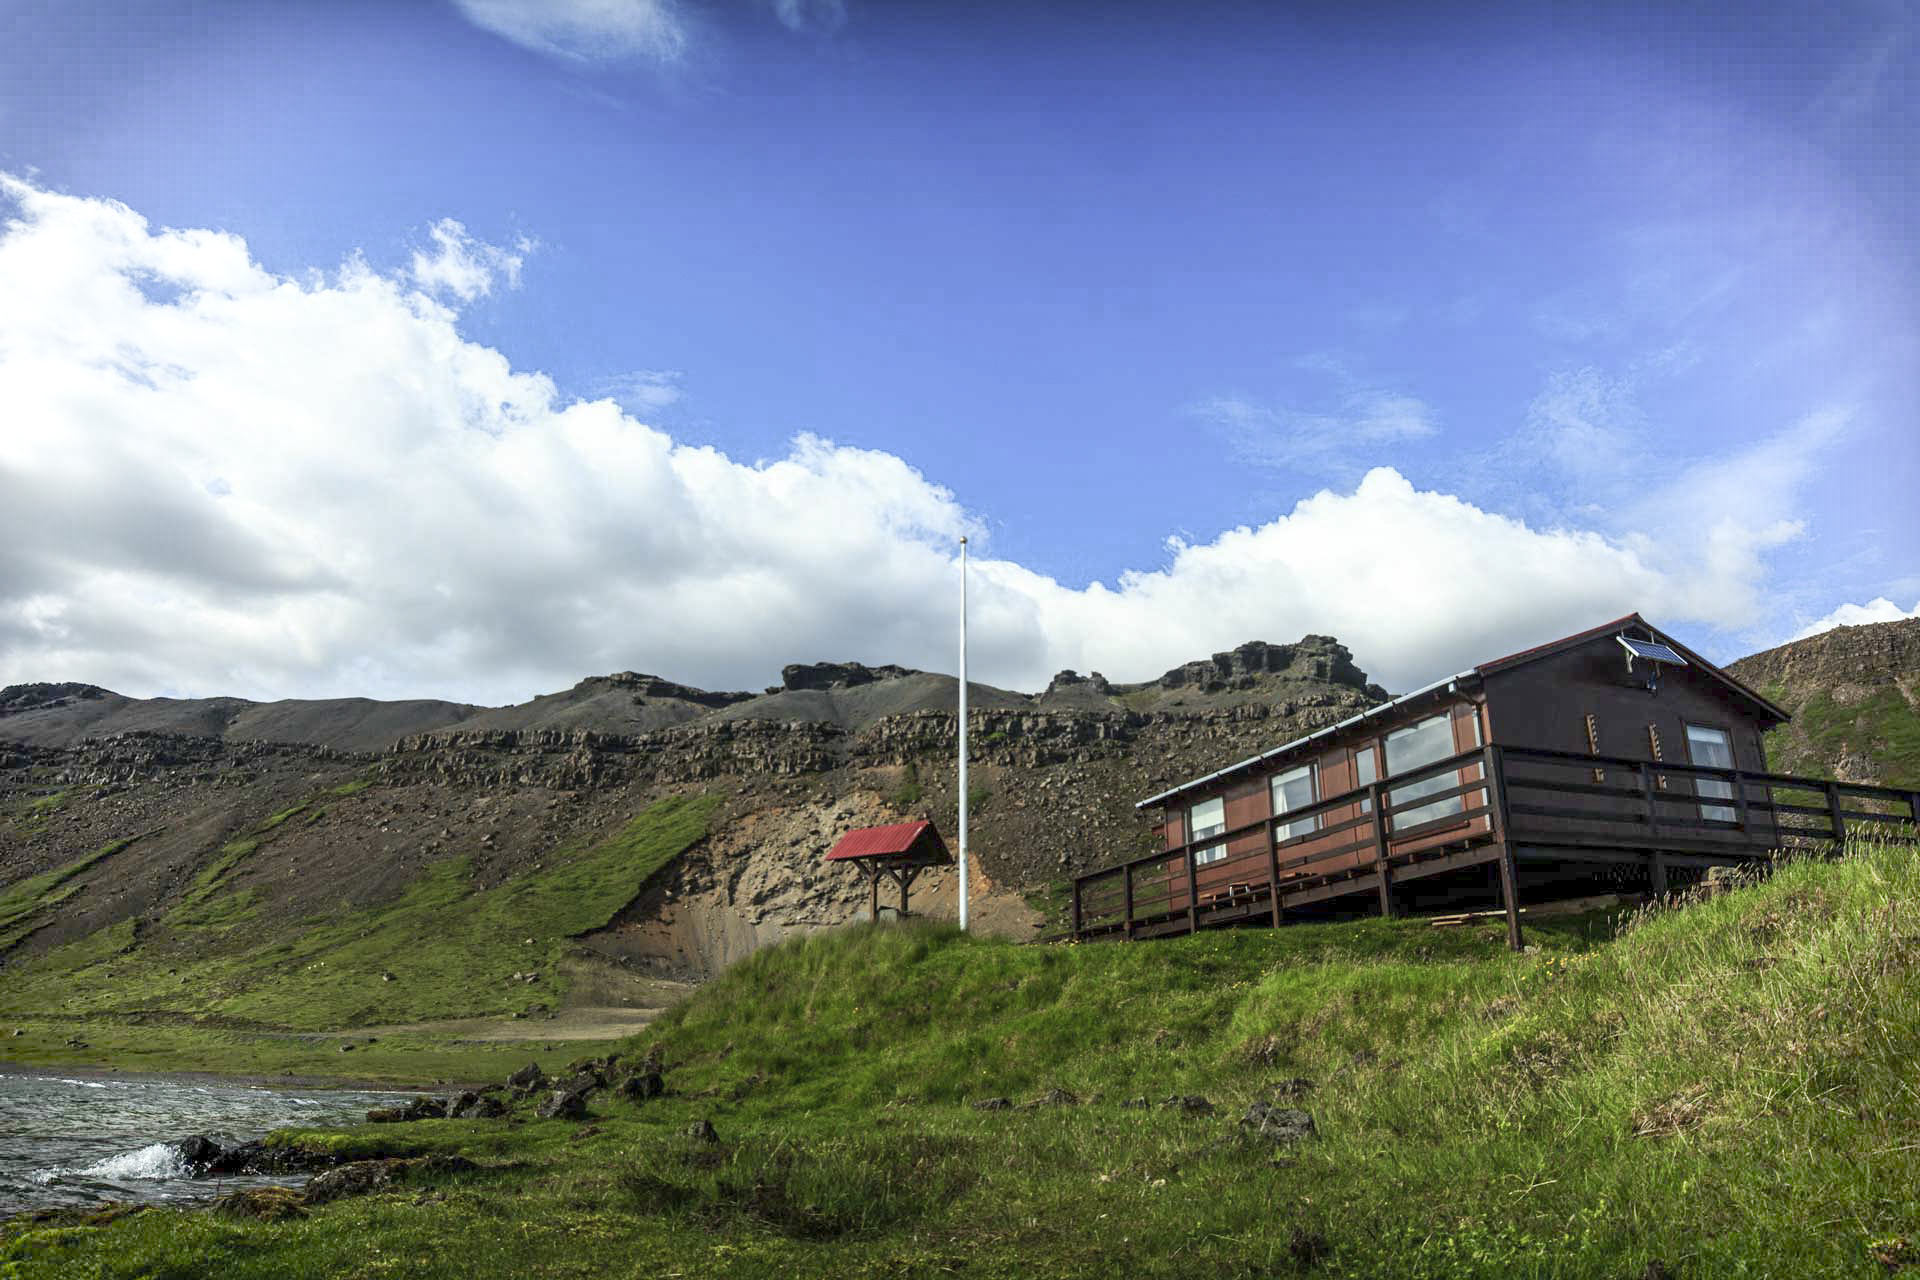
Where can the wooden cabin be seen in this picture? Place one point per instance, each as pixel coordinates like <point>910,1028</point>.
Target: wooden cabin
<point>1614,750</point>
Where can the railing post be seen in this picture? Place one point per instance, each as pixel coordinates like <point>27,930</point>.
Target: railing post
<point>1740,800</point>
<point>1913,810</point>
<point>1076,908</point>
<point>1500,821</point>
<point>1839,821</point>
<point>1496,759</point>
<point>1647,789</point>
<point>1126,896</point>
<point>1273,871</point>
<point>1193,892</point>
<point>1377,794</point>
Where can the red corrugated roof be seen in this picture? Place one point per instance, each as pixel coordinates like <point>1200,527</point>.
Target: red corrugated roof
<point>873,842</point>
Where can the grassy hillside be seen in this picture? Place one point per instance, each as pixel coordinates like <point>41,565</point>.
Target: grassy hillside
<point>218,974</point>
<point>1876,734</point>
<point>1723,1089</point>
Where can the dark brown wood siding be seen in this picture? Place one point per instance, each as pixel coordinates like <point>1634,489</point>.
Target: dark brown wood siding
<point>1545,704</point>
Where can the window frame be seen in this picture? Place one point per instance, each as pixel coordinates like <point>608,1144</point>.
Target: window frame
<point>1712,789</point>
<point>1450,806</point>
<point>1217,851</point>
<point>1284,831</point>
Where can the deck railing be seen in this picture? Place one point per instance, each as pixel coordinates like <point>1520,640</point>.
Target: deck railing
<point>1511,798</point>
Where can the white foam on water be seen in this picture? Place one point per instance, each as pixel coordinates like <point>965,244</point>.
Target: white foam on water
<point>160,1161</point>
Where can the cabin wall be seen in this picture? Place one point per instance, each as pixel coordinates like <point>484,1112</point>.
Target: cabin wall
<point>1249,799</point>
<point>1545,703</point>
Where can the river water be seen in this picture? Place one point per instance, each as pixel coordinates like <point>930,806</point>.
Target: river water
<point>80,1141</point>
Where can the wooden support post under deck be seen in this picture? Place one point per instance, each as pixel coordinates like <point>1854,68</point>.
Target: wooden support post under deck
<point>1833,808</point>
<point>1377,794</point>
<point>1657,869</point>
<point>1193,893</point>
<point>1510,899</point>
<point>1273,870</point>
<point>1502,831</point>
<point>1076,907</point>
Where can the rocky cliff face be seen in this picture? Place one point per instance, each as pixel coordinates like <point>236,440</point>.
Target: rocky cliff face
<point>309,830</point>
<point>1854,693</point>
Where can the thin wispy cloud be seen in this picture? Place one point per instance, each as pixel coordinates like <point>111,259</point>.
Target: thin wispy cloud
<point>586,31</point>
<point>1341,437</point>
<point>644,390</point>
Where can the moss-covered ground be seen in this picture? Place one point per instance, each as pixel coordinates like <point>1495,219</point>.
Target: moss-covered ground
<point>1720,1089</point>
<point>216,985</point>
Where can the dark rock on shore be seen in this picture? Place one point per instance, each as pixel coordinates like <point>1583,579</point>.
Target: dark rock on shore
<point>564,1105</point>
<point>363,1176</point>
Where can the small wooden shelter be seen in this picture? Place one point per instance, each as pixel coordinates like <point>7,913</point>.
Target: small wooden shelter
<point>901,851</point>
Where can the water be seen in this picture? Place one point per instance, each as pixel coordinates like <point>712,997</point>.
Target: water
<point>82,1142</point>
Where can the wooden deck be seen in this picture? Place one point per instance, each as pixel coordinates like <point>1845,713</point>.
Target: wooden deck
<point>1518,806</point>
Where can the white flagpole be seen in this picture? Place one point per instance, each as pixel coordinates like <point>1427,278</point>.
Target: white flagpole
<point>963,734</point>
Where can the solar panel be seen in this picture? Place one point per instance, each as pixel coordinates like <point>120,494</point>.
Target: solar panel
<point>1653,651</point>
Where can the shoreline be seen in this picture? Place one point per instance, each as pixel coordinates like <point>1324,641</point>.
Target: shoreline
<point>310,1083</point>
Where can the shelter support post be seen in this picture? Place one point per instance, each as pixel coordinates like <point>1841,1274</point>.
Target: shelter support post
<point>873,884</point>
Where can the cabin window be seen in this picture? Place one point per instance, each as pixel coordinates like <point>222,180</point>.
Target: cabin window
<point>1208,818</point>
<point>1366,771</point>
<point>1412,747</point>
<point>1712,748</point>
<point>1295,789</point>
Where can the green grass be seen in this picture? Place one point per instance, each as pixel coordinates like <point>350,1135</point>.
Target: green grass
<point>1881,727</point>
<point>907,794</point>
<point>1724,1089</point>
<point>444,948</point>
<point>22,901</point>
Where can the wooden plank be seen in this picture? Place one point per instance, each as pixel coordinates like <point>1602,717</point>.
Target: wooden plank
<point>1510,899</point>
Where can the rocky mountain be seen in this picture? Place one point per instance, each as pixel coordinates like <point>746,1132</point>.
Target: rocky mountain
<point>311,811</point>
<point>1854,693</point>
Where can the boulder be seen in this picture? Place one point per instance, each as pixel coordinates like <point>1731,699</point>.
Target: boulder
<point>564,1104</point>
<point>199,1153</point>
<point>1190,1104</point>
<point>1277,1124</point>
<point>993,1104</point>
<point>702,1131</point>
<point>528,1078</point>
<point>642,1085</point>
<point>363,1176</point>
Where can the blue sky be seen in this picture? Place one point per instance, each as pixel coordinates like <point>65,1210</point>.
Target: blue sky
<point>1100,283</point>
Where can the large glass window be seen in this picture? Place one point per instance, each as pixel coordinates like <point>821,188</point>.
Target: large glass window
<point>1292,790</point>
<point>1208,818</point>
<point>1714,749</point>
<point>1408,749</point>
<point>1366,771</point>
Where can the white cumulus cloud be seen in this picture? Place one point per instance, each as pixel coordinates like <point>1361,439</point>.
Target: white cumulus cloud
<point>1878,609</point>
<point>463,266</point>
<point>215,479</point>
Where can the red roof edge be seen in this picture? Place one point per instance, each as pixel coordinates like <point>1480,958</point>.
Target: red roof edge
<point>879,842</point>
